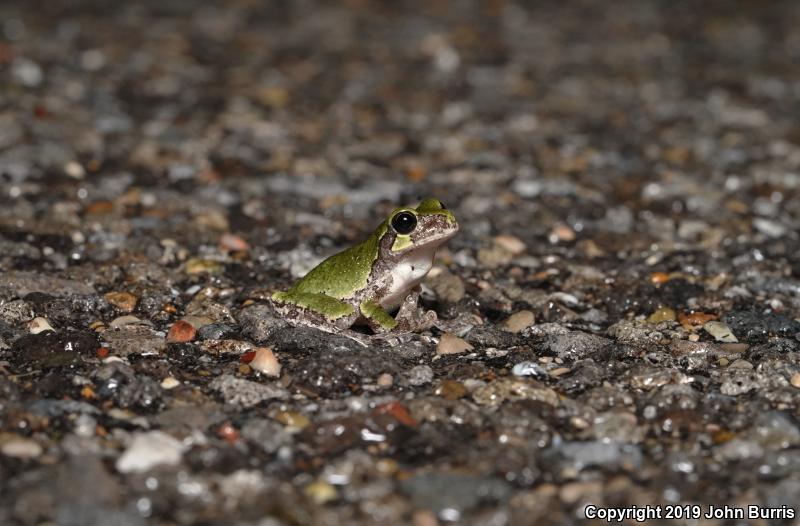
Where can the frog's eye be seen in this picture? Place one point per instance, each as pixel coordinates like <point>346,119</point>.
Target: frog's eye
<point>404,223</point>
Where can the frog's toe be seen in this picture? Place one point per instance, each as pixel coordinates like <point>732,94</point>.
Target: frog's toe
<point>420,321</point>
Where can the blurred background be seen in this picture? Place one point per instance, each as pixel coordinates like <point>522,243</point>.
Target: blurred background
<point>590,114</point>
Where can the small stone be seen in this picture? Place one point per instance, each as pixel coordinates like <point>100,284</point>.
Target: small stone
<point>528,368</point>
<point>450,344</point>
<point>39,325</point>
<point>321,492</point>
<point>559,371</point>
<point>419,375</point>
<point>243,349</point>
<point>148,450</point>
<point>265,362</point>
<point>561,233</point>
<point>385,380</point>
<point>659,278</point>
<point>768,227</point>
<point>292,419</point>
<point>75,170</point>
<point>795,380</point>
<point>448,287</point>
<point>233,243</point>
<point>720,332</point>
<point>451,390</point>
<point>519,321</point>
<point>124,301</point>
<point>197,321</point>
<point>494,256</point>
<point>170,382</point>
<point>134,340</point>
<point>20,447</point>
<point>245,393</point>
<point>661,315</point>
<point>123,321</point>
<point>512,244</point>
<point>495,393</point>
<point>397,411</point>
<point>215,331</point>
<point>197,266</point>
<point>692,320</point>
<point>181,331</point>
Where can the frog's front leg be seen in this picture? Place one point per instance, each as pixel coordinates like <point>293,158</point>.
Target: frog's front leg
<point>376,317</point>
<point>411,317</point>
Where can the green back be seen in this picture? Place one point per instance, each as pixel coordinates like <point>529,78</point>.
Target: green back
<point>345,272</point>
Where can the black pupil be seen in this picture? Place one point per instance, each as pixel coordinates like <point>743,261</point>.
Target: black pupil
<point>404,223</point>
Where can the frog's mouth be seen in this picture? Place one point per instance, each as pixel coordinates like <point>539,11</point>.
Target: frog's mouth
<point>433,234</point>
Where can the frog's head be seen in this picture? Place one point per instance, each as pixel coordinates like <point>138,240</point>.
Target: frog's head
<point>427,226</point>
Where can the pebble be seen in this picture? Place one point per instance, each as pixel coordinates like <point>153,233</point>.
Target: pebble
<point>451,344</point>
<point>661,315</point>
<point>561,233</point>
<point>148,450</point>
<point>385,380</point>
<point>293,419</point>
<point>720,332</point>
<point>321,492</point>
<point>528,368</point>
<point>124,301</point>
<point>512,244</point>
<point>233,243</point>
<point>39,325</point>
<point>691,320</point>
<point>134,340</point>
<point>20,447</point>
<point>245,393</point>
<point>170,382</point>
<point>497,392</point>
<point>519,321</point>
<point>451,390</point>
<point>448,287</point>
<point>795,380</point>
<point>197,322</point>
<point>494,256</point>
<point>180,332</point>
<point>419,375</point>
<point>265,362</point>
<point>123,321</point>
<point>197,266</point>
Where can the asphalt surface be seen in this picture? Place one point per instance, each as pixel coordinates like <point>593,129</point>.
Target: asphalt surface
<point>618,313</point>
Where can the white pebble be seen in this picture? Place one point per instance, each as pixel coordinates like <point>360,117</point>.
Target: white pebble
<point>170,382</point>
<point>148,450</point>
<point>449,344</point>
<point>38,325</point>
<point>21,448</point>
<point>265,362</point>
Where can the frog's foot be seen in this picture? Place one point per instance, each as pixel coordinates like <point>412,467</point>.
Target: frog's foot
<point>411,318</point>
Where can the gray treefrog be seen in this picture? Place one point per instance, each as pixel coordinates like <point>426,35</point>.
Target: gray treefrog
<point>366,282</point>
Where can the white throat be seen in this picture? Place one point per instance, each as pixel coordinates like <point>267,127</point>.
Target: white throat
<point>407,274</point>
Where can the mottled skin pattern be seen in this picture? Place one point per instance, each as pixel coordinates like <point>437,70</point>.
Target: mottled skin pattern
<point>365,282</point>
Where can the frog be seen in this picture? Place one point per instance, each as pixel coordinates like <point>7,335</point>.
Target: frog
<point>362,285</point>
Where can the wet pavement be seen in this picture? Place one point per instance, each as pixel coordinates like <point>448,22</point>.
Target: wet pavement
<point>619,311</point>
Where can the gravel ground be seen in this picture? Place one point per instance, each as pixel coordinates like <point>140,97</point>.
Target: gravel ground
<point>621,302</point>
